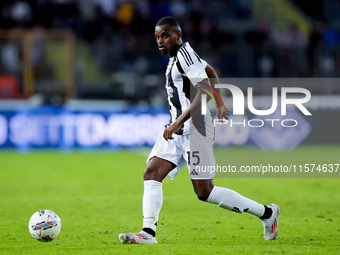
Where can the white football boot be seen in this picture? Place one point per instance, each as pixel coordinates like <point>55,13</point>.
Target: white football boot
<point>138,238</point>
<point>271,225</point>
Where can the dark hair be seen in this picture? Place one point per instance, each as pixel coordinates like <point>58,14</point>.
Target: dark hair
<point>173,22</point>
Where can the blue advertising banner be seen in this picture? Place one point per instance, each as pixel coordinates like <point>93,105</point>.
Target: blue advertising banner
<point>70,127</point>
<point>59,127</point>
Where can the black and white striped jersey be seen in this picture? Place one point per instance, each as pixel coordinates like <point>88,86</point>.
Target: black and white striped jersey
<point>184,66</point>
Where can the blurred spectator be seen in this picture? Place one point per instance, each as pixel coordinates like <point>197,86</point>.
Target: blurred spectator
<point>264,38</point>
<point>316,35</point>
<point>44,12</point>
<point>330,55</point>
<point>9,87</point>
<point>118,35</point>
<point>222,36</point>
<point>125,13</point>
<point>243,8</point>
<point>11,53</point>
<point>21,13</point>
<point>292,37</point>
<point>108,48</point>
<point>205,40</point>
<point>87,9</point>
<point>143,7</point>
<point>315,45</point>
<point>6,20</point>
<point>179,9</point>
<point>293,60</point>
<point>263,35</point>
<point>67,14</point>
<point>90,20</point>
<point>107,7</point>
<point>159,9</point>
<point>42,68</point>
<point>331,36</point>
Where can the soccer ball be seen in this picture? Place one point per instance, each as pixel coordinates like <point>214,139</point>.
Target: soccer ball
<point>44,225</point>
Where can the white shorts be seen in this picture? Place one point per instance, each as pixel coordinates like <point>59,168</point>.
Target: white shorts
<point>177,151</point>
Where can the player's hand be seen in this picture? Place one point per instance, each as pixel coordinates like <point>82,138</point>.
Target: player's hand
<point>169,130</point>
<point>223,111</point>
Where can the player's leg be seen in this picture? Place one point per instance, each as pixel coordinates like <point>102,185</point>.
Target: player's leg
<point>164,157</point>
<point>233,201</point>
<point>154,174</point>
<point>226,198</point>
<point>203,188</point>
<point>158,169</point>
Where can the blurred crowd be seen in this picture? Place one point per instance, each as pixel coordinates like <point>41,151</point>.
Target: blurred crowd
<point>224,32</point>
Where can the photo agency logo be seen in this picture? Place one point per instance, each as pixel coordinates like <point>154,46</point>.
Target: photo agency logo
<point>299,96</point>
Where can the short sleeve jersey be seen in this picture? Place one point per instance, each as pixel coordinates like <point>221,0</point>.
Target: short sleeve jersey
<point>182,67</point>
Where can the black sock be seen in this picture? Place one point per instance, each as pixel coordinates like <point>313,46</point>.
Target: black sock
<point>267,213</point>
<point>149,231</point>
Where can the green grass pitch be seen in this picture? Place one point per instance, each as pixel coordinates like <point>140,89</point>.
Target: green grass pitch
<point>98,195</point>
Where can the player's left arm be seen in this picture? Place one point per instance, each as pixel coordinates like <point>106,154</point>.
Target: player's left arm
<point>222,109</point>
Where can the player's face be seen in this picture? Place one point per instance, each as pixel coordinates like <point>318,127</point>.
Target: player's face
<point>167,38</point>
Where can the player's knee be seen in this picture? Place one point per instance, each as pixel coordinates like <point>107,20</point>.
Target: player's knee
<point>203,198</point>
<point>152,173</point>
<point>149,173</point>
<point>202,195</point>
<point>203,189</point>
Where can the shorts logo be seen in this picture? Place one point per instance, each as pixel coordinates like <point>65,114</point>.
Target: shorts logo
<point>193,172</point>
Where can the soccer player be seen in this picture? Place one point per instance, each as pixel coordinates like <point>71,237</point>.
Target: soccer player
<point>171,151</point>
